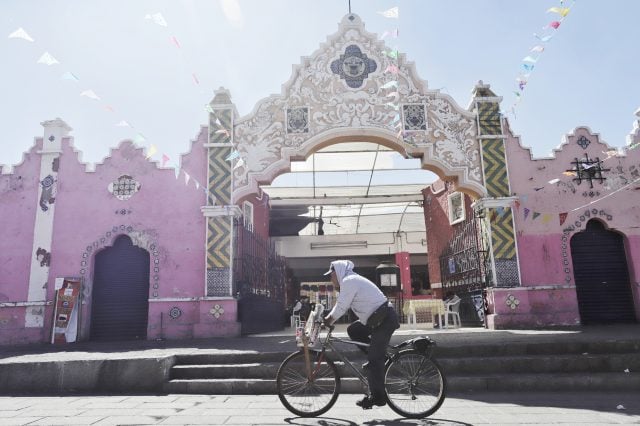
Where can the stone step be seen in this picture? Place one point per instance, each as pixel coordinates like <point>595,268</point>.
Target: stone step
<point>441,352</point>
<point>458,366</point>
<point>459,383</point>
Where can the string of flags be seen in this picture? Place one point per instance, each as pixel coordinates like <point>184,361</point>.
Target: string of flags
<point>50,60</point>
<point>530,61</point>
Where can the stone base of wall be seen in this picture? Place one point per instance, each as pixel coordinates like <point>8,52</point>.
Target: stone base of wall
<point>193,319</point>
<point>532,307</point>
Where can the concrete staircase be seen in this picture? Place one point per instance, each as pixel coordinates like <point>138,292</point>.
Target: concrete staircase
<point>559,366</point>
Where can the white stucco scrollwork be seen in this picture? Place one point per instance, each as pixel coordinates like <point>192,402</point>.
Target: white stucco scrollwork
<point>370,104</point>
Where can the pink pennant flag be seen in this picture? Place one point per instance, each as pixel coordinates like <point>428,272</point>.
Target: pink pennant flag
<point>109,108</point>
<point>554,25</point>
<point>165,159</point>
<point>195,79</point>
<point>393,69</point>
<point>175,42</point>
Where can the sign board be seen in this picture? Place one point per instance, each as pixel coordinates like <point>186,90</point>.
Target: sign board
<point>65,312</point>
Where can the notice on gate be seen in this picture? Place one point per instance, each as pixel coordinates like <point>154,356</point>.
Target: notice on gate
<point>65,313</point>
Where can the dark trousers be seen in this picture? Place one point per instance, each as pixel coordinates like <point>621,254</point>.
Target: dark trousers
<point>378,340</point>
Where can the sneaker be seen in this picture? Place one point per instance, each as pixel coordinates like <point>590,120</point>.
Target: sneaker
<point>368,402</point>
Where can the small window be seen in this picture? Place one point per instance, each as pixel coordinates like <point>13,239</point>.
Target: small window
<point>247,213</point>
<point>456,207</point>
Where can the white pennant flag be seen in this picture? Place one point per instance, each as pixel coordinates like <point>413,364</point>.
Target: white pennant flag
<point>47,59</point>
<point>240,163</point>
<point>390,13</point>
<point>90,94</point>
<point>157,18</point>
<point>186,178</point>
<point>21,33</point>
<point>123,123</point>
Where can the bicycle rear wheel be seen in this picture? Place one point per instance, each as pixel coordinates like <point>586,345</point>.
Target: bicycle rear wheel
<point>414,384</point>
<point>304,396</point>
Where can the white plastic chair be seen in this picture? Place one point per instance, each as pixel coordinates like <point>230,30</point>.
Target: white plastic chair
<point>452,308</point>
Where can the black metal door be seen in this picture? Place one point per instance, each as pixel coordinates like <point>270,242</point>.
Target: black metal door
<point>120,307</point>
<point>259,276</point>
<point>602,276</point>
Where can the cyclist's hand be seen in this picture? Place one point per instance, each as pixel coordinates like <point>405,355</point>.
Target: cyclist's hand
<point>327,321</point>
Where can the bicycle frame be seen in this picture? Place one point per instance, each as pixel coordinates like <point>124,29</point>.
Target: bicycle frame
<point>328,343</point>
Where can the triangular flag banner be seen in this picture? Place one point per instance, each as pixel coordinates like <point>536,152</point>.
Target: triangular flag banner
<point>175,42</point>
<point>233,155</point>
<point>562,11</point>
<point>123,123</point>
<point>195,78</point>
<point>538,49</point>
<point>152,150</point>
<point>165,159</point>
<point>535,215</point>
<point>69,76</point>
<point>546,218</point>
<point>109,108</point>
<point>394,12</point>
<point>529,59</point>
<point>569,173</point>
<point>528,67</point>
<point>208,108</point>
<point>393,69</point>
<point>240,163</point>
<point>552,181</point>
<point>197,184</point>
<point>563,217</point>
<point>90,94</point>
<point>526,213</point>
<point>21,33</point>
<point>139,138</point>
<point>186,178</point>
<point>554,25</point>
<point>47,59</point>
<point>543,39</point>
<point>177,172</point>
<point>392,54</point>
<point>157,18</point>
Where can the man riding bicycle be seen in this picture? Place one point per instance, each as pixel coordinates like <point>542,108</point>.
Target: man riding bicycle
<point>377,320</point>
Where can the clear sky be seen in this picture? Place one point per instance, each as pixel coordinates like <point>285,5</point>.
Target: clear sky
<point>587,75</point>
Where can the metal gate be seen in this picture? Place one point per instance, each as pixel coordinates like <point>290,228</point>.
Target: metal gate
<point>259,277</point>
<point>464,273</point>
<point>120,295</point>
<point>602,276</point>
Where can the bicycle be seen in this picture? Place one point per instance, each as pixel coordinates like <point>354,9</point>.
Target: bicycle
<point>308,381</point>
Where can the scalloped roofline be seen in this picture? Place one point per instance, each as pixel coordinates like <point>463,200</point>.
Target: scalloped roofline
<point>565,141</point>
<point>421,83</point>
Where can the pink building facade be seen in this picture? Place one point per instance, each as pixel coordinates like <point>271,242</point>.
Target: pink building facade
<point>576,220</point>
<point>59,216</point>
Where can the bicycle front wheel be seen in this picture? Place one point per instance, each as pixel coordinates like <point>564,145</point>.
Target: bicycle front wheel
<point>304,394</point>
<point>414,384</point>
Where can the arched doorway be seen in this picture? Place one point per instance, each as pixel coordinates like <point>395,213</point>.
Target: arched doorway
<point>119,308</point>
<point>602,276</point>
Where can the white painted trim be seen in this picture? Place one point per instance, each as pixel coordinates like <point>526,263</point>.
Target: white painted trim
<point>190,299</point>
<point>18,304</point>
<point>214,211</point>
<point>218,145</point>
<point>492,203</point>
<point>479,137</point>
<point>537,287</point>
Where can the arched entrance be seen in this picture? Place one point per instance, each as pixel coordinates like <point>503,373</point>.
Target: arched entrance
<point>119,307</point>
<point>601,275</point>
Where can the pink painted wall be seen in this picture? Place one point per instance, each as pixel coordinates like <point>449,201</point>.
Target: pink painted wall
<point>543,242</point>
<point>18,203</point>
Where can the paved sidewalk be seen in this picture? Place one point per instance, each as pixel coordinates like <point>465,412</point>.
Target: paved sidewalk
<point>458,409</point>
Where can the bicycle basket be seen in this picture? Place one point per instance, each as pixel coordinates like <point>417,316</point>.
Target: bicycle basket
<point>311,329</point>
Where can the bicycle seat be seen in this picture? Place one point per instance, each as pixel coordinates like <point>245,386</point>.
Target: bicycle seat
<point>420,344</point>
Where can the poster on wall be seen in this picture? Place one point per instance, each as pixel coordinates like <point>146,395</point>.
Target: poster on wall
<point>65,312</point>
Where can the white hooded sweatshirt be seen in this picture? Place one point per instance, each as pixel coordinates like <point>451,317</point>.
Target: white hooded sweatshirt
<point>356,292</point>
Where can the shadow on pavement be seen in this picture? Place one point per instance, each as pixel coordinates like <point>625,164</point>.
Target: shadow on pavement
<point>328,421</point>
